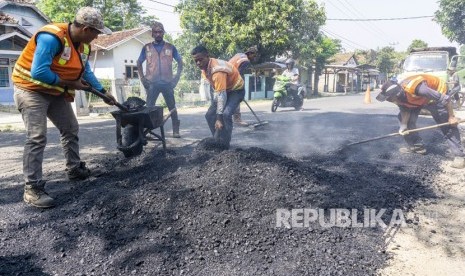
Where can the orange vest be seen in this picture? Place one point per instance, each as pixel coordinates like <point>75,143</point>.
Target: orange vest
<point>410,84</point>
<point>159,65</point>
<point>233,80</point>
<point>68,65</point>
<point>238,59</point>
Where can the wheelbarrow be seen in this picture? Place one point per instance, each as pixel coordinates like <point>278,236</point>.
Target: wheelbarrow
<point>138,123</point>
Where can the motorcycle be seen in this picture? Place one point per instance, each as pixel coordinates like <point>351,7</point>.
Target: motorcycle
<point>287,94</point>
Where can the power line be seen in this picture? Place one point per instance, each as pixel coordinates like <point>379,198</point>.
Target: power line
<point>380,19</point>
<point>344,40</point>
<point>158,2</point>
<point>377,31</point>
<point>364,25</point>
<point>155,9</point>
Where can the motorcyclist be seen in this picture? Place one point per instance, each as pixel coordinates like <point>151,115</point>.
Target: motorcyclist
<point>293,73</point>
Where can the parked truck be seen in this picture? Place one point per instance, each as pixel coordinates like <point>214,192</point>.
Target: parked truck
<point>429,60</point>
<point>438,61</point>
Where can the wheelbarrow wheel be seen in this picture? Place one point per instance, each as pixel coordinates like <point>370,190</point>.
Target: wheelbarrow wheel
<point>130,136</point>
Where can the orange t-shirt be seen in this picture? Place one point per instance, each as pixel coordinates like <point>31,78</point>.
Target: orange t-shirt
<point>223,76</point>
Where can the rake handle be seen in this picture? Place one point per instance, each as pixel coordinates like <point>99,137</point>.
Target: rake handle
<point>256,117</point>
<point>430,127</point>
<point>404,133</point>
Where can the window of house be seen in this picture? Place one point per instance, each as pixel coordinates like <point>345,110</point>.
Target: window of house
<point>131,72</point>
<point>4,77</point>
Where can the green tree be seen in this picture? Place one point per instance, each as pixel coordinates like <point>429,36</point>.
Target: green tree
<point>118,14</point>
<point>417,43</point>
<point>225,27</point>
<point>324,50</point>
<point>462,50</point>
<point>451,18</point>
<point>368,56</point>
<point>386,60</point>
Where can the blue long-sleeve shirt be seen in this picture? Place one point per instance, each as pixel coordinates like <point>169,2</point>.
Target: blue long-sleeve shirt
<point>48,46</point>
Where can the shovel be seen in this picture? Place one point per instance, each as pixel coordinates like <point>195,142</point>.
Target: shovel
<point>107,99</point>
<point>403,133</point>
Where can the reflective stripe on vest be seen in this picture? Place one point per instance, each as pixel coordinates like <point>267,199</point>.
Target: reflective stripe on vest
<point>66,55</point>
<point>85,54</point>
<point>26,75</point>
<point>412,85</point>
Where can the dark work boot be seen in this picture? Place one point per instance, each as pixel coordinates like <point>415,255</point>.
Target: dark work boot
<point>34,194</point>
<point>80,172</point>
<point>176,124</point>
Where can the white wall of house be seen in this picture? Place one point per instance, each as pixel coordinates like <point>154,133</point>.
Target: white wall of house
<point>103,64</point>
<point>112,64</point>
<point>126,55</point>
<point>27,13</point>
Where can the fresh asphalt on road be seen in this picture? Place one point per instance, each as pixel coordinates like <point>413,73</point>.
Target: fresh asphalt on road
<point>326,124</point>
<point>246,186</point>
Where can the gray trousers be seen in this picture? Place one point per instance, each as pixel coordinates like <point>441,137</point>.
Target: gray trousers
<point>35,108</point>
<point>440,115</point>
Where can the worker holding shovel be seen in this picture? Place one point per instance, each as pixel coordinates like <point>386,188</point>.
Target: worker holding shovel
<point>429,92</point>
<point>228,89</point>
<point>51,67</point>
<point>242,62</point>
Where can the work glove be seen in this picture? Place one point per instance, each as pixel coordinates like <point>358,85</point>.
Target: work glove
<point>219,121</point>
<point>402,129</point>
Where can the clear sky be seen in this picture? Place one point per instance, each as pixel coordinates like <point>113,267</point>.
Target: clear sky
<point>353,34</point>
<point>374,34</point>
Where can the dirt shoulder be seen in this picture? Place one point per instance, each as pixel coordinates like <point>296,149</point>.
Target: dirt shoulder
<point>435,245</point>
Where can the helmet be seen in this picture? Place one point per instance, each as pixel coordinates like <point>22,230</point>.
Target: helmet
<point>388,90</point>
<point>290,61</point>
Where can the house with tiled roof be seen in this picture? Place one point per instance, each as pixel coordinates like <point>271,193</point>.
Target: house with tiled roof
<point>349,72</point>
<point>19,20</point>
<point>115,56</point>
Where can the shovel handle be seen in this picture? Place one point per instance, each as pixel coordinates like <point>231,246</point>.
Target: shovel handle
<point>107,99</point>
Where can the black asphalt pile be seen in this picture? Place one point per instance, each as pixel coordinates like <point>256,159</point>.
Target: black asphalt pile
<point>202,212</point>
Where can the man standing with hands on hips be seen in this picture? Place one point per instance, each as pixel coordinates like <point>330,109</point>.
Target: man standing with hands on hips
<point>158,76</point>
